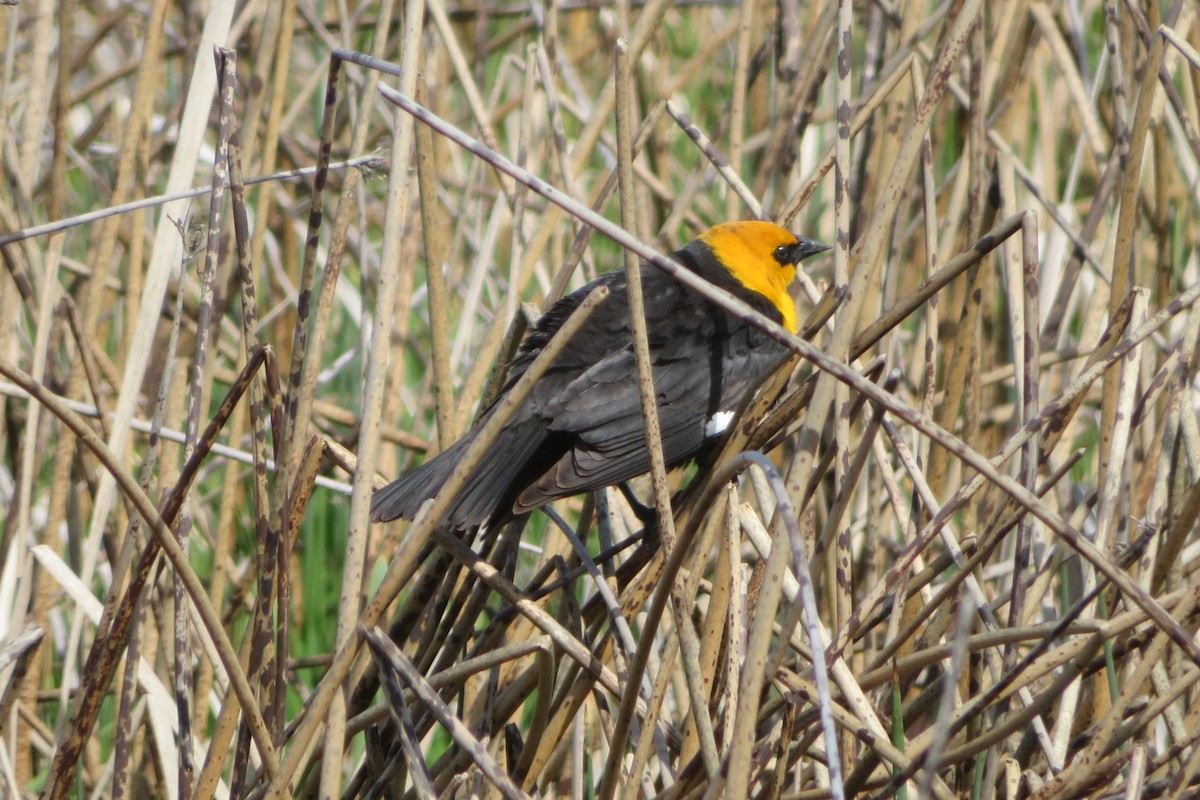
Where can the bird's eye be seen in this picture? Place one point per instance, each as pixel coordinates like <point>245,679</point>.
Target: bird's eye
<point>782,254</point>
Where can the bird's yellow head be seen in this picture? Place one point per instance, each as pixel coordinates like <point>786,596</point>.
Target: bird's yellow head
<point>762,257</point>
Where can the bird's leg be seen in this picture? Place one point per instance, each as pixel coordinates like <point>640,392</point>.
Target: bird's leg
<point>504,556</point>
<point>648,516</point>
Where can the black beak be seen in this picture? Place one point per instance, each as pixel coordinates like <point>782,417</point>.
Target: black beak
<point>807,247</point>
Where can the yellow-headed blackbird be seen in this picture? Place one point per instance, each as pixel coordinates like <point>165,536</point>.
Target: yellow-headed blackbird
<point>581,427</point>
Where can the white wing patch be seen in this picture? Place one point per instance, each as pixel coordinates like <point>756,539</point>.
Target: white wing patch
<point>717,423</point>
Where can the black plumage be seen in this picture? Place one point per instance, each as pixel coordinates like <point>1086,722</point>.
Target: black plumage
<point>581,426</point>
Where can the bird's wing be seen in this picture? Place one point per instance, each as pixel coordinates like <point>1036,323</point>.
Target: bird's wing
<point>600,329</point>
<point>602,410</point>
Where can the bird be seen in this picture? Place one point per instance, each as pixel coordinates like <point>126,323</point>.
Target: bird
<point>581,427</point>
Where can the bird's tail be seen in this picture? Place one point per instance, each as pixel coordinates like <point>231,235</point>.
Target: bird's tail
<point>402,498</point>
<point>485,496</point>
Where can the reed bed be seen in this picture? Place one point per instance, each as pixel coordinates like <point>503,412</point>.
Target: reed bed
<point>947,551</point>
